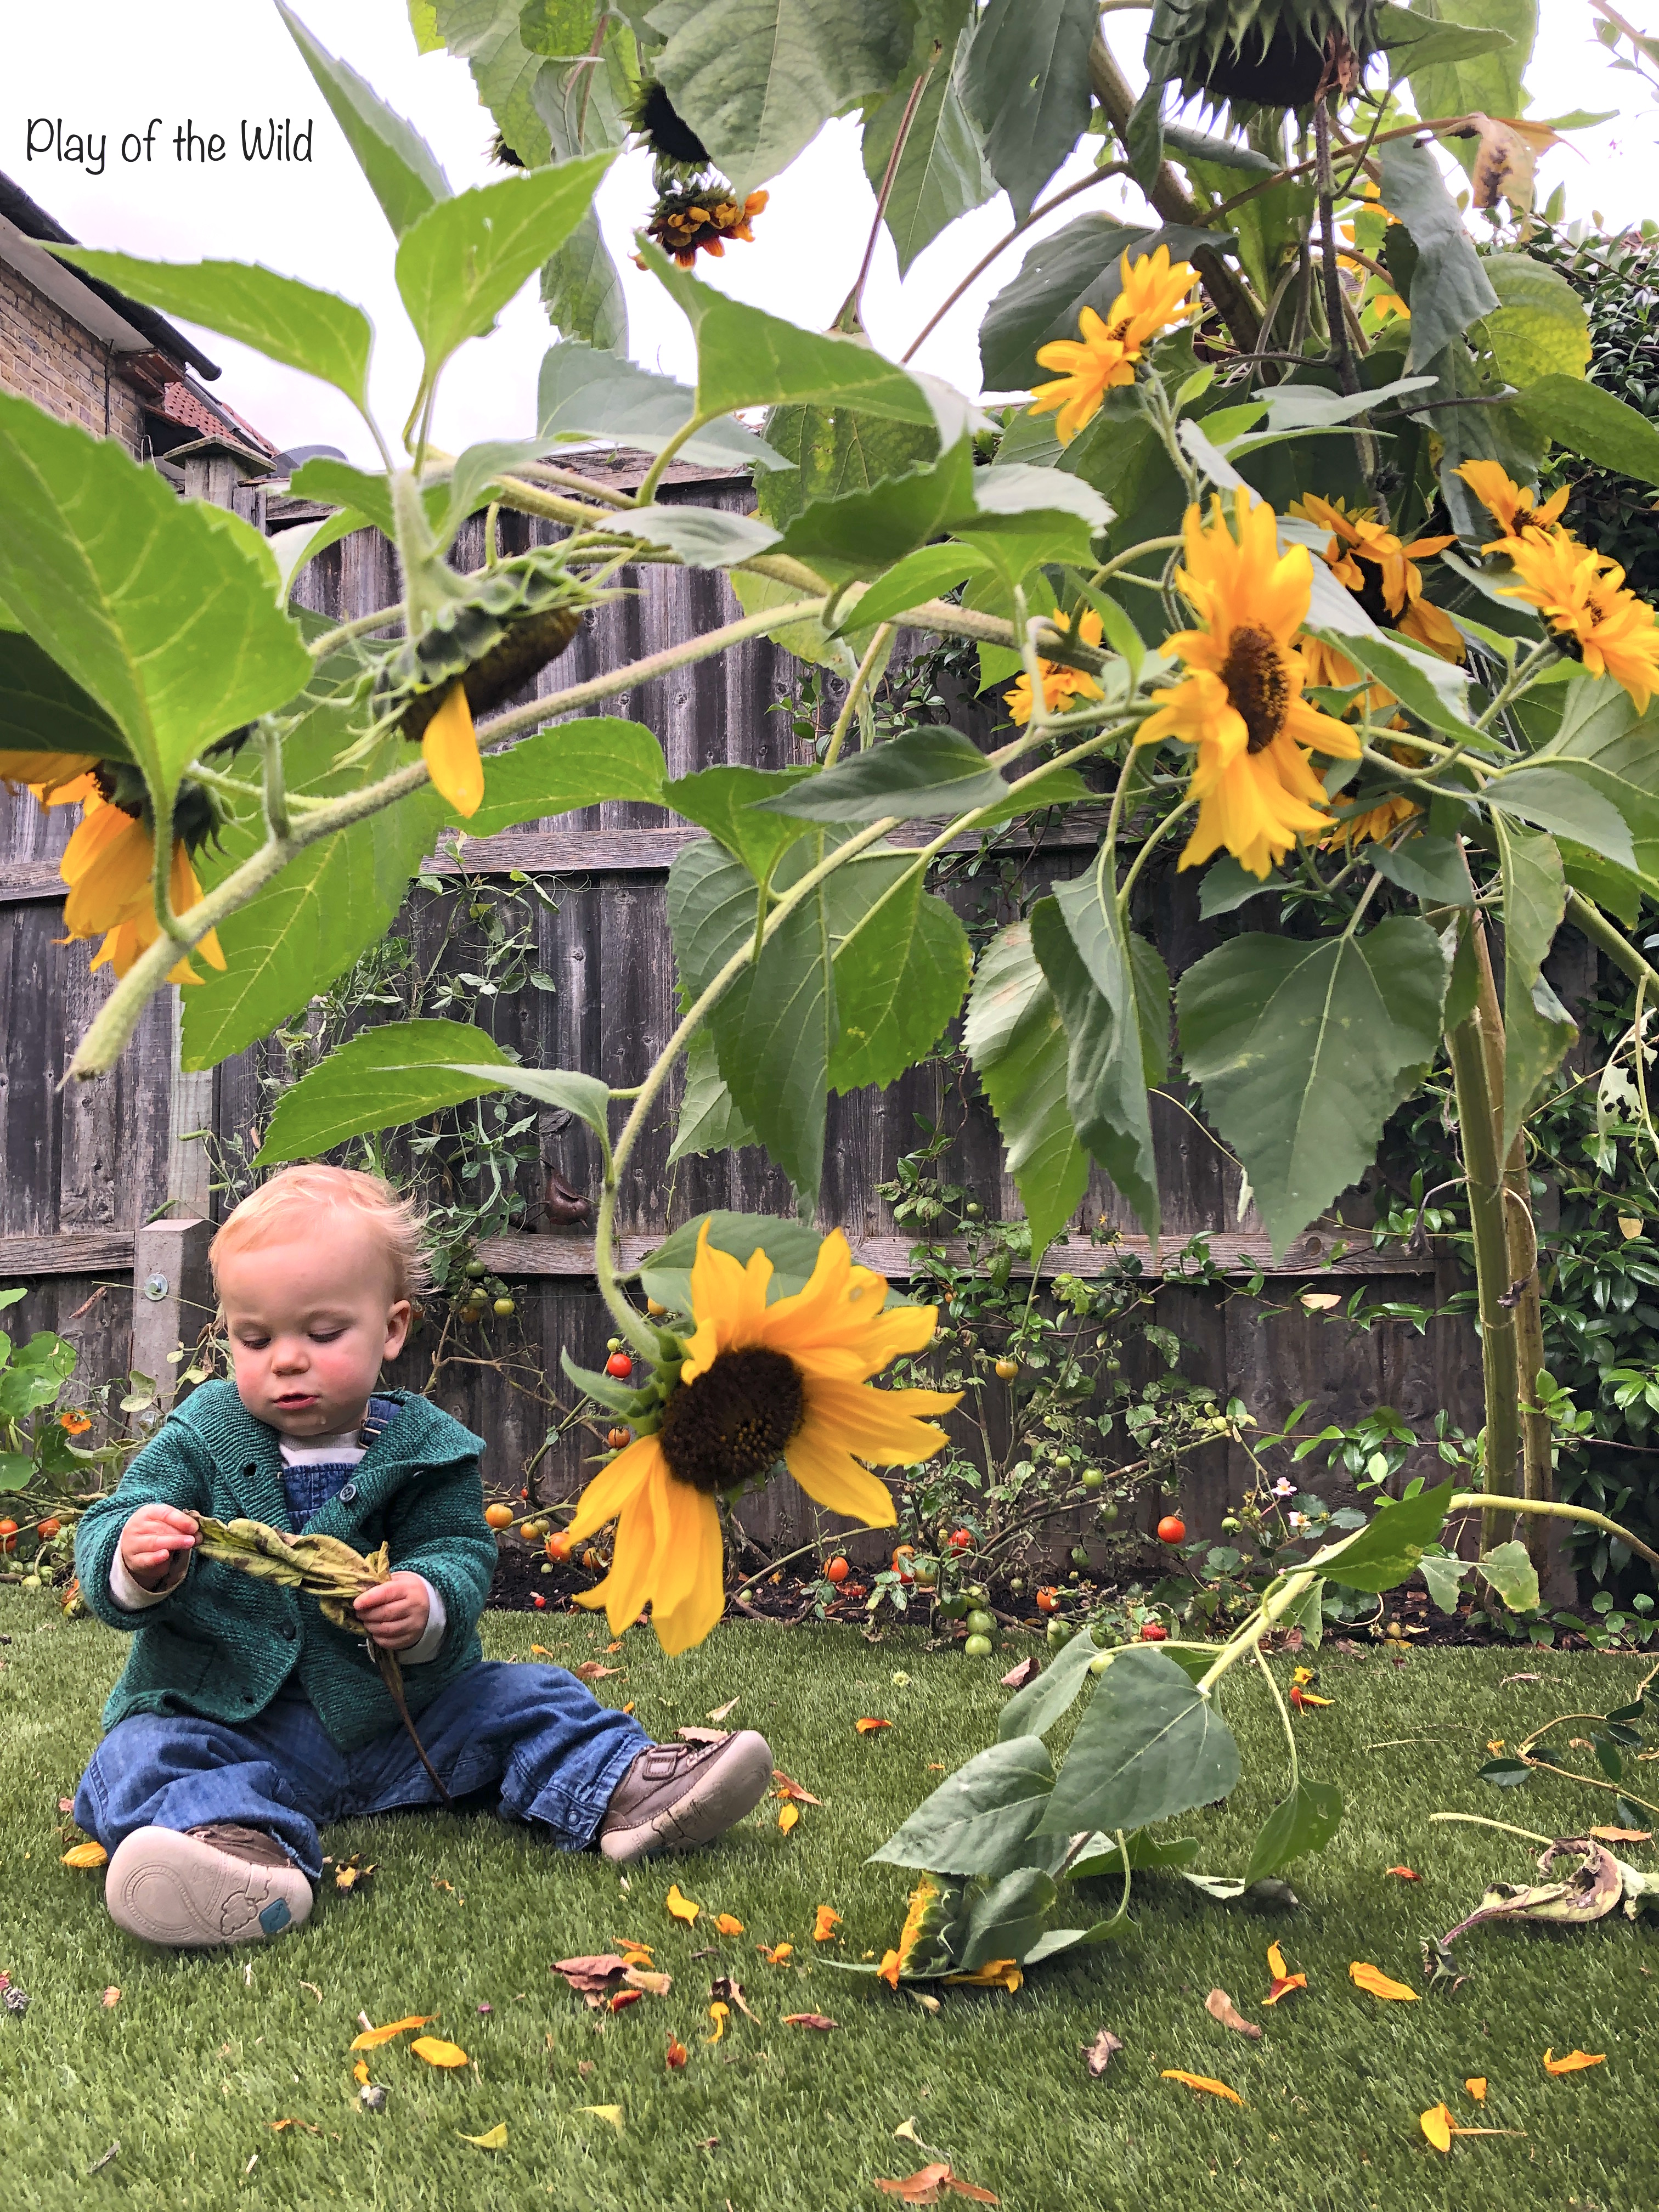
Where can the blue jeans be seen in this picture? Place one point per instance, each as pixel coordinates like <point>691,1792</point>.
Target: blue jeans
<point>535,1737</point>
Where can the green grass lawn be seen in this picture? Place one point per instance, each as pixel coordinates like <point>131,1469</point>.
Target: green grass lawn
<point>203,2053</point>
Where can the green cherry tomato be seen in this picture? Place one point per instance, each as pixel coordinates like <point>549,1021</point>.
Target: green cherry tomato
<point>980,1622</point>
<point>977,1647</point>
<point>1092,1478</point>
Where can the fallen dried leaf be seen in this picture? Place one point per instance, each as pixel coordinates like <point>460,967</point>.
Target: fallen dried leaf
<point>313,1989</point>
<point>277,2127</point>
<point>612,2112</point>
<point>788,1789</point>
<point>724,1990</point>
<point>930,2184</point>
<point>616,1646</point>
<point>1437,2125</point>
<point>593,1670</point>
<point>678,2054</point>
<point>1404,1873</point>
<point>779,1954</point>
<point>809,2019</point>
<point>351,1871</point>
<point>1203,2082</point>
<point>824,1927</point>
<point>680,1906</point>
<point>112,1998</point>
<point>98,2164</point>
<point>720,2014</point>
<point>788,1814</point>
<point>1098,2055</point>
<point>703,1734</point>
<point>1220,2006</point>
<point>623,1998</point>
<point>85,1855</point>
<point>1623,1835</point>
<point>492,2138</point>
<point>66,1804</point>
<point>869,1726</point>
<point>928,2003</point>
<point>1574,2062</point>
<point>1027,1671</point>
<point>906,2131</point>
<point>434,2051</point>
<point>720,1711</point>
<point>372,2037</point>
<point>643,1978</point>
<point>1376,1983</point>
<point>1476,2086</point>
<point>590,1977</point>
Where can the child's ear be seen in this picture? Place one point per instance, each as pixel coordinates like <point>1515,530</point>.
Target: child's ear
<point>396,1327</point>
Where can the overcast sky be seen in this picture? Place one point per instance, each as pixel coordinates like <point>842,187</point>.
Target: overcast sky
<point>217,63</point>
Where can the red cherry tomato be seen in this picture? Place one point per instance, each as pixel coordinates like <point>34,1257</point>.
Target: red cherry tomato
<point>8,1536</point>
<point>1153,1632</point>
<point>540,1602</point>
<point>558,1546</point>
<point>960,1540</point>
<point>1172,1529</point>
<point>837,1570</point>
<point>1048,1601</point>
<point>619,1438</point>
<point>45,1530</point>
<point>620,1366</point>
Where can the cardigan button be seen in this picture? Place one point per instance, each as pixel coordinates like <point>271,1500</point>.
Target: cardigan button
<point>348,1493</point>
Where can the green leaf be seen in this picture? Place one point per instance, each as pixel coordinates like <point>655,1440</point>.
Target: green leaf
<point>902,963</point>
<point>1432,869</point>
<point>981,1820</point>
<point>1305,1821</point>
<point>16,1471</point>
<point>474,478</point>
<point>1488,81</point>
<point>791,1246</point>
<point>1592,424</point>
<point>1307,1613</point>
<point>1391,1544</point>
<point>1083,949</point>
<point>164,612</point>
<point>377,1080</point>
<point>1034,1709</point>
<point>829,451</point>
<point>1443,1575</point>
<point>723,800</point>
<point>775,1025</point>
<point>462,262</point>
<point>565,1088</point>
<point>756,79</point>
<point>747,358</point>
<point>1150,1745</point>
<point>1612,747</point>
<point>928,769</point>
<point>42,710</point>
<point>1078,267</point>
<point>278,316</point>
<point>699,537</point>
<point>1026,85</point>
<point>1225,886</point>
<point>1005,1922</point>
<point>566,765</point>
<point>1435,691</point>
<point>1537,1029</point>
<point>582,291</point>
<point>1016,1042</point>
<point>708,1121</point>
<point>401,169</point>
<point>557,28</point>
<point>1448,289</point>
<point>484,34</point>
<point>363,493</point>
<point>920,576</point>
<point>941,173</point>
<point>1101,1858</point>
<point>1505,1773</point>
<point>1512,1575</point>
<point>1566,800</point>
<point>584,394</point>
<point>1305,1049</point>
<point>1414,42</point>
<point>1541,329</point>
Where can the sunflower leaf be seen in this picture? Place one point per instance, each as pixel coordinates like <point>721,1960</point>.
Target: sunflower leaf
<point>380,1078</point>
<point>791,1246</point>
<point>941,173</point>
<point>981,1820</point>
<point>928,769</point>
<point>1016,1042</point>
<point>1150,1745</point>
<point>902,963</point>
<point>1026,85</point>
<point>1305,1821</point>
<point>1303,1050</point>
<point>1450,289</point>
<point>1537,1027</point>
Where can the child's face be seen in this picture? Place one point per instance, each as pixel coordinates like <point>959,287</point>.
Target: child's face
<point>310,1323</point>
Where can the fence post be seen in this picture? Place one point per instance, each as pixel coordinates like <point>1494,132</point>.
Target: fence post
<point>172,1297</point>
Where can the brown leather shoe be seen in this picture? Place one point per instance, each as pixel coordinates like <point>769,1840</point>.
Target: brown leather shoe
<point>199,1888</point>
<point>676,1796</point>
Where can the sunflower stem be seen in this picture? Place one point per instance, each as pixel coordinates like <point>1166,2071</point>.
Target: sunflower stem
<point>700,420</point>
<point>1284,1715</point>
<point>855,691</point>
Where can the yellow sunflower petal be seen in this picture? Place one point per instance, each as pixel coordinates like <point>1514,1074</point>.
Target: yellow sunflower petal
<point>450,750</point>
<point>614,1486</point>
<point>680,1625</point>
<point>832,1478</point>
<point>877,1424</point>
<point>635,1552</point>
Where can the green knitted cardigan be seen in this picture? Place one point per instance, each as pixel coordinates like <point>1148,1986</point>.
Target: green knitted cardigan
<point>223,1644</point>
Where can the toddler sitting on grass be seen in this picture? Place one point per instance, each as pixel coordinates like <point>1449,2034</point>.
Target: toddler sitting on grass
<point>243,1722</point>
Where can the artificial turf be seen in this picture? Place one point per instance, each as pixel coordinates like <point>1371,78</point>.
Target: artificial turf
<point>202,2054</point>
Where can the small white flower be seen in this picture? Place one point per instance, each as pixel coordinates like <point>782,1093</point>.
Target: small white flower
<point>1297,1520</point>
<point>1284,1487</point>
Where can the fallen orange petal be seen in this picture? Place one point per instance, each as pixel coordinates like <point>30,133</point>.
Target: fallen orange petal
<point>719,2014</point>
<point>1476,2086</point>
<point>438,2053</point>
<point>360,2072</point>
<point>888,1971</point>
<point>1276,1966</point>
<point>1437,2125</point>
<point>788,1814</point>
<point>678,2054</point>
<point>869,1726</point>
<point>729,1924</point>
<point>996,1974</point>
<point>1201,2082</point>
<point>681,1906</point>
<point>85,1855</point>
<point>625,1998</point>
<point>1283,1984</point>
<point>372,2037</point>
<point>1378,1984</point>
<point>824,1926</point>
<point>1404,1873</point>
<point>1574,2062</point>
<point>779,1955</point>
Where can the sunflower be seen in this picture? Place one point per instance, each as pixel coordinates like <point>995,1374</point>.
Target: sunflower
<point>758,1383</point>
<point>1241,705</point>
<point>1382,572</point>
<point>106,866</point>
<point>1579,593</point>
<point>703,219</point>
<point>1380,821</point>
<point>1060,684</point>
<point>449,746</point>
<point>55,779</point>
<point>1154,293</point>
<point>1514,506</point>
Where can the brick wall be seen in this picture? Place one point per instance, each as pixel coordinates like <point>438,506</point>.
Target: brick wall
<point>47,357</point>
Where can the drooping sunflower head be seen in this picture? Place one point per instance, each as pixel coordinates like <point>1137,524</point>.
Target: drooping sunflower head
<point>1581,595</point>
<point>1382,571</point>
<point>653,118</point>
<point>703,219</point>
<point>55,779</point>
<point>1513,506</point>
<point>752,1383</point>
<point>1260,55</point>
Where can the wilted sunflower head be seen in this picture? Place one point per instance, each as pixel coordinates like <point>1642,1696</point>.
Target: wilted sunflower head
<point>654,119</point>
<point>701,219</point>
<point>1255,56</point>
<point>503,155</point>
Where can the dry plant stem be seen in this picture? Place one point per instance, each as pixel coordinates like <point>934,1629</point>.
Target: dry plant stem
<point>392,1675</point>
<point>848,320</point>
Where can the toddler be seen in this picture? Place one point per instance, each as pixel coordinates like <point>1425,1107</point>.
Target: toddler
<point>243,1721</point>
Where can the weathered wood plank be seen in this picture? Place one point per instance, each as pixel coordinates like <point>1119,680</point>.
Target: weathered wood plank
<point>76,1252</point>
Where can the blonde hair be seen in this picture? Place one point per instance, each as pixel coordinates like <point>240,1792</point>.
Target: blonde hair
<point>295,1196</point>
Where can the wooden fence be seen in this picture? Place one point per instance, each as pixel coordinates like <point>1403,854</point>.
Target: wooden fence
<point>83,1170</point>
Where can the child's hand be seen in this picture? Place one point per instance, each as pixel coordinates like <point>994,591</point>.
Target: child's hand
<point>150,1540</point>
<point>395,1612</point>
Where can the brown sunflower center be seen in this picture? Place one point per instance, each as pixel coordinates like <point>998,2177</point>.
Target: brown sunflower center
<point>732,1422</point>
<point>1258,683</point>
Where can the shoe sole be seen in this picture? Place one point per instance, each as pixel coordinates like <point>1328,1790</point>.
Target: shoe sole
<point>727,1789</point>
<point>170,1888</point>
